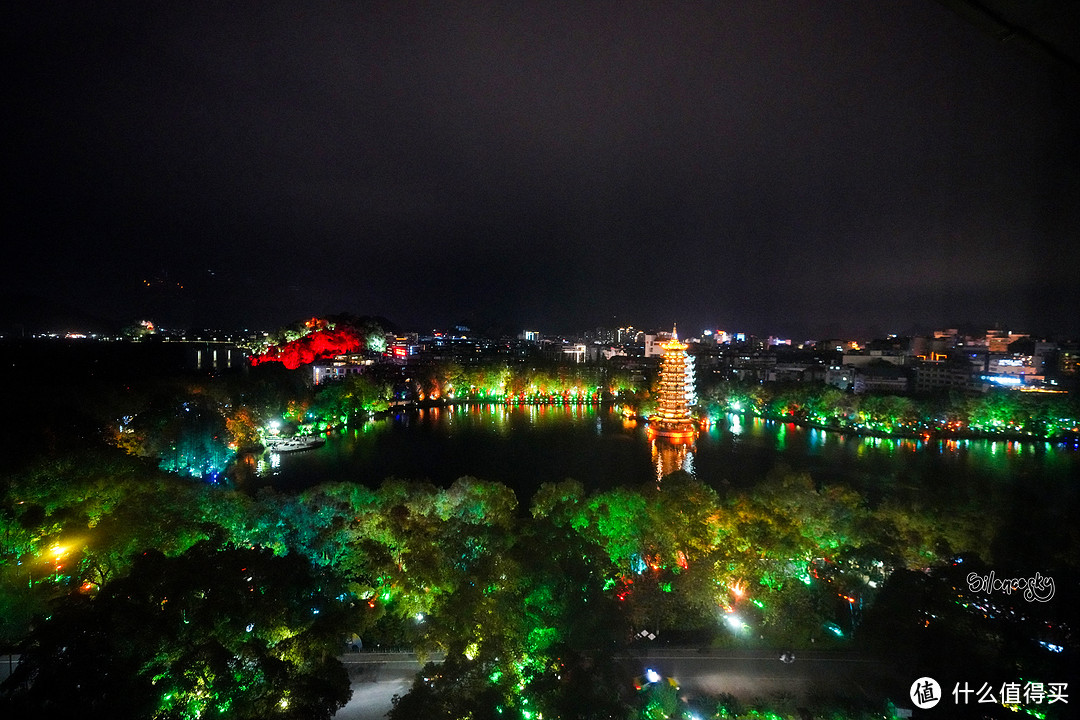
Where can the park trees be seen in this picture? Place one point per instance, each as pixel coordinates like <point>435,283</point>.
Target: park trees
<point>354,398</point>
<point>231,630</point>
<point>530,629</point>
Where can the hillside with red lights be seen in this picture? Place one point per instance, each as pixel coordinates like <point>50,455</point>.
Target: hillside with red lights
<point>318,345</point>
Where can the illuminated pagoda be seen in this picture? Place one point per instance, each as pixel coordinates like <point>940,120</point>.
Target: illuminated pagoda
<point>672,417</point>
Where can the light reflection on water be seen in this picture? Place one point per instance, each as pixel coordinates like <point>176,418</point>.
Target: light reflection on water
<point>524,446</point>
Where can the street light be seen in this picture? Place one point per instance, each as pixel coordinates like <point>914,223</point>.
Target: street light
<point>58,553</point>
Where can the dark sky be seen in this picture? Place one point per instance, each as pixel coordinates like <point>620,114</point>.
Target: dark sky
<point>773,167</point>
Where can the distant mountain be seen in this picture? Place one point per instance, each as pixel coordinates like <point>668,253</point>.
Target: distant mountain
<point>22,314</point>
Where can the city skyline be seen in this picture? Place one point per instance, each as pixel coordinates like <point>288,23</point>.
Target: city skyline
<point>804,172</point>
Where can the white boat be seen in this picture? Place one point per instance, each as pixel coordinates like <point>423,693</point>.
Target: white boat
<point>294,444</point>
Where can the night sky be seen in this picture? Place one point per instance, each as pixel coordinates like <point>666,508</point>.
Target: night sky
<point>770,167</point>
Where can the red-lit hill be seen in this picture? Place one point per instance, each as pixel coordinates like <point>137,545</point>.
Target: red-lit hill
<point>316,345</point>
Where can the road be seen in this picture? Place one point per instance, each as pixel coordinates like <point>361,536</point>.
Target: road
<point>377,677</point>
<point>748,675</point>
<point>760,674</point>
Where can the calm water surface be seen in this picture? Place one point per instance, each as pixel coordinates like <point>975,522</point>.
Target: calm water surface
<point>524,447</point>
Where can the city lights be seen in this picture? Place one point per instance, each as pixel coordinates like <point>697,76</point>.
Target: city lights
<point>539,361</point>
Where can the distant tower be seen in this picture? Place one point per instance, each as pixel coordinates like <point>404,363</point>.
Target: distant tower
<point>672,416</point>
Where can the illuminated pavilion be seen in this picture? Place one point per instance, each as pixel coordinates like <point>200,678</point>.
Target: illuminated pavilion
<point>672,417</point>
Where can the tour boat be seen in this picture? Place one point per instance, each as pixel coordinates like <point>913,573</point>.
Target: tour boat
<point>294,444</point>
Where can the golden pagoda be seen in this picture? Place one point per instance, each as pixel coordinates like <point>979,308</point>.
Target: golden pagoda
<point>672,417</point>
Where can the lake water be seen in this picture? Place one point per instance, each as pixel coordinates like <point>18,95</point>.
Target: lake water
<point>526,446</point>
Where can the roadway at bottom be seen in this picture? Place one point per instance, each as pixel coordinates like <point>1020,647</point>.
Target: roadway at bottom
<point>746,674</point>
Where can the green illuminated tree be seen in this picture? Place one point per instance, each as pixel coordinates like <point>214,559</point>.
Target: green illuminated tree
<point>615,524</point>
<point>356,397</point>
<point>682,516</point>
<point>529,630</point>
<point>562,503</point>
<point>240,632</point>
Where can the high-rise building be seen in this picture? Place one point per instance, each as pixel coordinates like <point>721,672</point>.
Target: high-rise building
<point>654,344</point>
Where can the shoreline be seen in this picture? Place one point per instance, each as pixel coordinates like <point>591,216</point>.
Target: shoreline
<point>1065,441</point>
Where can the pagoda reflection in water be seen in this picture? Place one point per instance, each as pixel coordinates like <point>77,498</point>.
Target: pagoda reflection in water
<point>671,456</point>
<point>671,428</point>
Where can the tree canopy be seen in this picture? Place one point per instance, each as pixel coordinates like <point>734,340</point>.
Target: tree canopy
<point>240,631</point>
